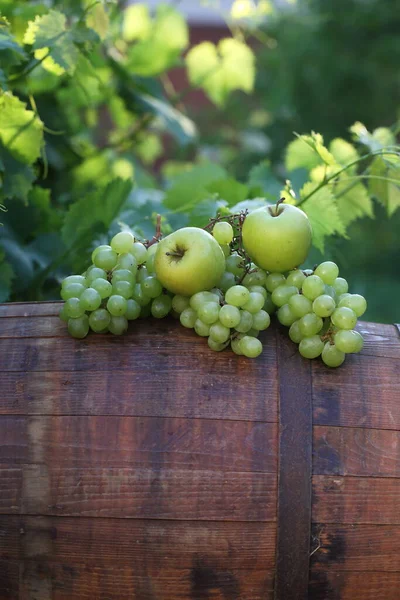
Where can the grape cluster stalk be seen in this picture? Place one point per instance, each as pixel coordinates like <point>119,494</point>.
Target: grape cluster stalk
<point>121,286</point>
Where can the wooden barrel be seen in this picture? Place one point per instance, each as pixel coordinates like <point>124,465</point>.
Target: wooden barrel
<point>147,467</point>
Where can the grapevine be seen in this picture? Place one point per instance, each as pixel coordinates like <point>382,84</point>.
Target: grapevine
<point>127,280</point>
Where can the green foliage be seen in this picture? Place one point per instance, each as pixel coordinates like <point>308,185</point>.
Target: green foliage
<point>87,108</point>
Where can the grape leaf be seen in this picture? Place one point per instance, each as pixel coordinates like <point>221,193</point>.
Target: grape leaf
<point>386,192</point>
<point>94,212</point>
<point>16,178</point>
<point>190,187</point>
<point>307,152</point>
<point>353,200</point>
<point>50,31</point>
<point>178,124</point>
<point>229,190</point>
<point>136,23</point>
<point>167,37</point>
<point>21,131</point>
<point>323,212</point>
<point>374,141</point>
<point>11,53</point>
<point>342,151</point>
<point>6,276</point>
<point>262,178</point>
<point>98,20</point>
<point>221,69</point>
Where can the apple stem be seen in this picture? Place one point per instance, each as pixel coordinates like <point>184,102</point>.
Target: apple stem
<point>156,238</point>
<point>277,211</point>
<point>179,254</point>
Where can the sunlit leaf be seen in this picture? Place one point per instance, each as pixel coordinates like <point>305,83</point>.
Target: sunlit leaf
<point>323,212</point>
<point>21,131</point>
<point>386,191</point>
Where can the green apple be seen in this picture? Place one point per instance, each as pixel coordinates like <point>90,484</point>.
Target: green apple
<point>188,261</point>
<point>277,238</point>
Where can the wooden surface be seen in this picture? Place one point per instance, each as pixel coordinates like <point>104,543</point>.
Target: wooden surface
<point>146,466</point>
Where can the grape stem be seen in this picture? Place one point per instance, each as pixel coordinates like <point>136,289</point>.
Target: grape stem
<point>158,235</point>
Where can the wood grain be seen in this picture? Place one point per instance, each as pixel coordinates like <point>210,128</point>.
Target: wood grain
<point>48,581</point>
<point>349,451</point>
<point>356,547</point>
<point>356,500</point>
<point>31,309</point>
<point>294,475</point>
<point>139,441</point>
<point>187,391</point>
<point>332,585</point>
<point>26,327</point>
<point>166,544</point>
<point>365,392</point>
<point>140,493</point>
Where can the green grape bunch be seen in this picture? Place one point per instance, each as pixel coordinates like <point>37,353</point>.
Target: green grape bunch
<point>126,281</point>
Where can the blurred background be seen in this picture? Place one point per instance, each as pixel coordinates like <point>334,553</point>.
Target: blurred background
<point>320,65</point>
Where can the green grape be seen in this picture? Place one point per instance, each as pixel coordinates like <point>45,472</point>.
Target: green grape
<point>259,289</point>
<point>118,325</point>
<point>150,264</point>
<point>78,327</point>
<point>90,299</point>
<point>122,242</point>
<point>311,347</point>
<point>106,259</point>
<point>225,249</point>
<point>344,318</point>
<point>253,332</point>
<point>63,314</point>
<point>142,274</point>
<point>237,295</point>
<point>258,277</point>
<point>331,356</point>
<point>99,249</point>
<point>139,296</point>
<point>246,322</point>
<point>330,291</point>
<point>145,311</point>
<point>73,308</point>
<point>294,333</point>
<point>201,328</point>
<point>161,306</point>
<point>188,317</point>
<point>133,309</point>
<point>250,346</point>
<point>95,273</point>
<point>235,345</point>
<point>348,341</point>
<point>342,296</point>
<point>340,286</point>
<point>151,286</point>
<point>223,232</point>
<point>296,278</point>
<point>123,288</point>
<point>234,264</point>
<point>324,305</point>
<point>310,325</point>
<point>139,251</point>
<point>282,293</point>
<point>328,271</point>
<point>312,287</point>
<point>201,298</point>
<point>285,315</point>
<point>116,305</point>
<point>261,320</point>
<point>215,346</point>
<point>123,275</point>
<point>127,261</point>
<point>219,333</point>
<point>300,305</point>
<point>227,281</point>
<point>72,290</point>
<point>274,280</point>
<point>99,320</point>
<point>209,312</point>
<point>254,303</point>
<point>103,287</point>
<point>269,306</point>
<point>179,303</point>
<point>229,315</point>
<point>356,302</point>
<point>74,279</point>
